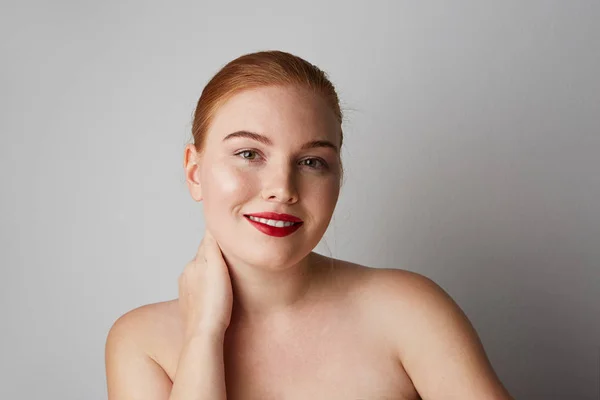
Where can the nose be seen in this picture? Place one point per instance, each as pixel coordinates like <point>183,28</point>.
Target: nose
<point>279,185</point>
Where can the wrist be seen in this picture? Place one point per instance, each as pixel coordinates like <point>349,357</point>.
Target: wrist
<point>206,334</point>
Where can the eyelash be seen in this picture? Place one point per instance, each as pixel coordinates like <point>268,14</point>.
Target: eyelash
<point>323,163</point>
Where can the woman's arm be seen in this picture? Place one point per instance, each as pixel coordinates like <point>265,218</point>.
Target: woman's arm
<point>201,369</point>
<point>132,374</point>
<point>205,302</point>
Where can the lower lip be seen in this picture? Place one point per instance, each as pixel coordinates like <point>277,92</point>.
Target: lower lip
<point>274,230</point>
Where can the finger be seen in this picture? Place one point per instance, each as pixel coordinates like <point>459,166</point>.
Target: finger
<point>200,252</point>
<point>210,237</point>
<point>212,251</point>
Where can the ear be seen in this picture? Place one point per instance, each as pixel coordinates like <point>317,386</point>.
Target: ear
<point>191,166</point>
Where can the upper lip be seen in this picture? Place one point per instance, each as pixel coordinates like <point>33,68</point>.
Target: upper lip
<point>275,216</point>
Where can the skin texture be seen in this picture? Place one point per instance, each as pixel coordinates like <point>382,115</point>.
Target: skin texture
<point>268,273</point>
<point>302,325</point>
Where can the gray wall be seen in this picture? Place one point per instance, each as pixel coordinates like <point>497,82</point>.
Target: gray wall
<point>472,157</point>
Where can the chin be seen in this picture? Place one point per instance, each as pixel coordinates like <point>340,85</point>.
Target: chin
<point>275,260</point>
<point>265,257</point>
<point>262,251</point>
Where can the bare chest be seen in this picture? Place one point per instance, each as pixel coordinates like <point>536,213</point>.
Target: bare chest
<point>340,347</point>
<point>323,362</point>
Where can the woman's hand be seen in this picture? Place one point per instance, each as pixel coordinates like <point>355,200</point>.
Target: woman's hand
<point>205,294</point>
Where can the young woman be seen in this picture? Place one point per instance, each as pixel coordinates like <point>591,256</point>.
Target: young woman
<point>259,314</point>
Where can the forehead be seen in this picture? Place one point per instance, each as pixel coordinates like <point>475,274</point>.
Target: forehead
<point>281,113</point>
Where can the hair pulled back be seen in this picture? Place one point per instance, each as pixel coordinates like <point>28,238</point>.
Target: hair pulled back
<point>265,68</point>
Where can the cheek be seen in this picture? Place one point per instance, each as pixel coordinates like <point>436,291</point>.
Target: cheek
<point>225,184</point>
<point>322,196</point>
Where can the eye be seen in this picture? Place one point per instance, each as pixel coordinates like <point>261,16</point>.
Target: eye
<point>247,152</point>
<point>314,163</point>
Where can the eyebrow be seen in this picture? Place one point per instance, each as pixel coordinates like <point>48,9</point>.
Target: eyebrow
<point>266,141</point>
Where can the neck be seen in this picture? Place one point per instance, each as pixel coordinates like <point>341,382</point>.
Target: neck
<point>259,294</point>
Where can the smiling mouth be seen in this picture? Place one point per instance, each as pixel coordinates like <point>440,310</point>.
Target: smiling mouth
<point>274,227</point>
<point>272,222</point>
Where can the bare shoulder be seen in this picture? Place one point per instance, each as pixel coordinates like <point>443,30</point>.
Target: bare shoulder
<point>435,341</point>
<point>412,297</point>
<point>147,322</point>
<point>382,284</point>
<point>150,332</point>
<point>406,302</point>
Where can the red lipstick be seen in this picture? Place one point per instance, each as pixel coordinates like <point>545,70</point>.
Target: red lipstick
<point>276,216</point>
<point>274,230</point>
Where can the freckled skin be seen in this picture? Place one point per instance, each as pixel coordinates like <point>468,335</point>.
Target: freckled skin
<point>275,180</point>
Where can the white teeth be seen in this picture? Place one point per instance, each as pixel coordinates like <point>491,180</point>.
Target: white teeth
<point>272,222</point>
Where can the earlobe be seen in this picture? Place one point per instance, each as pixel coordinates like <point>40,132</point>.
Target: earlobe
<point>191,166</point>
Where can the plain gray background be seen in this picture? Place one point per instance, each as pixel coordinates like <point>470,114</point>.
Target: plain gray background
<point>471,152</point>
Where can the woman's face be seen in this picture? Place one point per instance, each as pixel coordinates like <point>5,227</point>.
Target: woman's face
<point>280,172</point>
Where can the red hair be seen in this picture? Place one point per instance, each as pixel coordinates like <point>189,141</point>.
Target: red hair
<point>265,68</point>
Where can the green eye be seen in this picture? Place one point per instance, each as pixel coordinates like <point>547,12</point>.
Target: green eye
<point>246,152</point>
